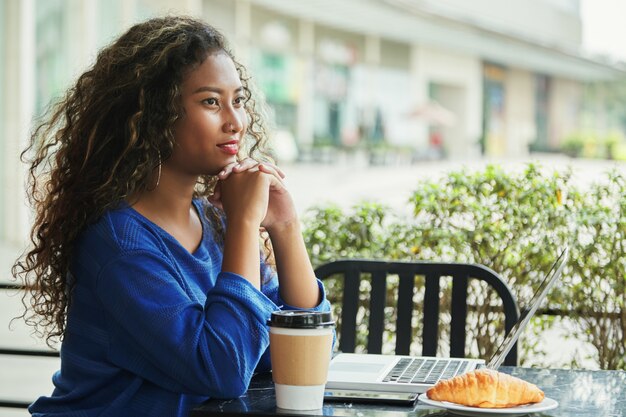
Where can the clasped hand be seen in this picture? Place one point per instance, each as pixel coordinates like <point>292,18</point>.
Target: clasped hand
<point>254,191</point>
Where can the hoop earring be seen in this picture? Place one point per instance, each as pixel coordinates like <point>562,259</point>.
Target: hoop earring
<point>158,181</point>
<point>159,174</point>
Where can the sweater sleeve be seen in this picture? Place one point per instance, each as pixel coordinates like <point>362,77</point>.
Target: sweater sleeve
<point>159,332</point>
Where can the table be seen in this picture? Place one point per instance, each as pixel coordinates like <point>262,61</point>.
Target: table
<point>579,393</point>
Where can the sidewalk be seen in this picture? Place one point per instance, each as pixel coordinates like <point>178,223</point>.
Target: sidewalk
<point>352,180</point>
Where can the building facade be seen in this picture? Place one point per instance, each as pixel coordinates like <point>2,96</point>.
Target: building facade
<point>455,77</point>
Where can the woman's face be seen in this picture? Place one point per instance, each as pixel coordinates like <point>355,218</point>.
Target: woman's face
<point>210,132</point>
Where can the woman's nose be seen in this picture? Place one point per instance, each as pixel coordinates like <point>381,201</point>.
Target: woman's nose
<point>233,124</point>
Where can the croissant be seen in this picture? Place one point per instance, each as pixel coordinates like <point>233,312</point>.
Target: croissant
<point>486,388</point>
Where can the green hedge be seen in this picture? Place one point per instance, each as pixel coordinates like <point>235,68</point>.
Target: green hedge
<point>514,223</point>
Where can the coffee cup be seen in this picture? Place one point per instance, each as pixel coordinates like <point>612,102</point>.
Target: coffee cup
<point>300,348</point>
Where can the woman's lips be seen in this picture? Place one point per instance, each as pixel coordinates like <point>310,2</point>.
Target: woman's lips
<point>231,148</point>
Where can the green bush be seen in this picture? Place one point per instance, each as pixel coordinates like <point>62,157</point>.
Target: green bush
<point>593,145</point>
<point>619,151</point>
<point>597,283</point>
<point>574,144</point>
<point>612,143</point>
<point>513,223</point>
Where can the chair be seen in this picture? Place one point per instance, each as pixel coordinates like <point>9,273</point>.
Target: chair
<point>352,272</point>
<point>12,403</point>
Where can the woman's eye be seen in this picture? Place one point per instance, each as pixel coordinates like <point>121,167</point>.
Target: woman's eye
<point>210,101</point>
<point>240,100</point>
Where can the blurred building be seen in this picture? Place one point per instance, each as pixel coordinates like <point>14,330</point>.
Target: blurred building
<point>454,77</point>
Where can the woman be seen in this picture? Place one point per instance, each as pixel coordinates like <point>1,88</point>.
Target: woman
<point>147,259</point>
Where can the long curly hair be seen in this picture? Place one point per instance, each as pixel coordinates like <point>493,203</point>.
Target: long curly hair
<point>100,144</point>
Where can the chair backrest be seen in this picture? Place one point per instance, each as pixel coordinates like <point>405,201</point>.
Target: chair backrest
<point>352,271</point>
<point>14,403</point>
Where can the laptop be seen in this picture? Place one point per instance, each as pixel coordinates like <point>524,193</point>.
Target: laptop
<point>394,373</point>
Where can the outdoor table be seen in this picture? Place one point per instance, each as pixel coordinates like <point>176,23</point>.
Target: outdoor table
<point>579,393</point>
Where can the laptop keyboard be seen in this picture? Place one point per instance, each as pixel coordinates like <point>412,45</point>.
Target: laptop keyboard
<point>425,371</point>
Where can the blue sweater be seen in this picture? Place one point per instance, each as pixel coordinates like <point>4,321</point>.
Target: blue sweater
<point>153,330</point>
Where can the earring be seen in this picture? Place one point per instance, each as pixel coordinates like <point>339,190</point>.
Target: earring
<point>159,171</point>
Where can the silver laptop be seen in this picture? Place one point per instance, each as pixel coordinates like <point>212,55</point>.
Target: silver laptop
<point>350,371</point>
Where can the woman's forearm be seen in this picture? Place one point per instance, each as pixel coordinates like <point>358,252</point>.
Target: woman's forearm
<point>241,251</point>
<point>298,285</point>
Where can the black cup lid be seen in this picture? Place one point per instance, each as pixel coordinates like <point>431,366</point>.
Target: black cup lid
<point>301,319</point>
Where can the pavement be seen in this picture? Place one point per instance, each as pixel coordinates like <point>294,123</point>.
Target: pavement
<point>351,180</point>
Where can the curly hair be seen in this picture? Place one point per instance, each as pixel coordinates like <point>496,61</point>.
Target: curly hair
<point>100,144</point>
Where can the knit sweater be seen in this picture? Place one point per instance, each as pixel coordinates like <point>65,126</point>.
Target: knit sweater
<point>153,330</point>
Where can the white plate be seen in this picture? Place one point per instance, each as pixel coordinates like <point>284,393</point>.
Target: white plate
<point>522,410</point>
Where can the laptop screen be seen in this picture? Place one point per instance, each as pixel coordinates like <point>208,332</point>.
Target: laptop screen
<point>541,293</point>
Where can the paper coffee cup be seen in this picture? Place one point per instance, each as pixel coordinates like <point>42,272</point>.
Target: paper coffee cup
<point>300,349</point>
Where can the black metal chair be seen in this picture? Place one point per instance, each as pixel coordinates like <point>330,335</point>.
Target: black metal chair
<point>6,402</point>
<point>352,271</point>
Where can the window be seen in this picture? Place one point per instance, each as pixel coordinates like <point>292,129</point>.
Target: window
<point>542,100</point>
<point>51,66</point>
<point>3,58</point>
<point>570,6</point>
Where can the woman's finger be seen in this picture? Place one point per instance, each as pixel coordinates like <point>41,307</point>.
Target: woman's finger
<point>279,171</point>
<point>250,163</point>
<point>225,172</point>
<point>271,169</point>
<point>245,165</point>
<point>277,180</point>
